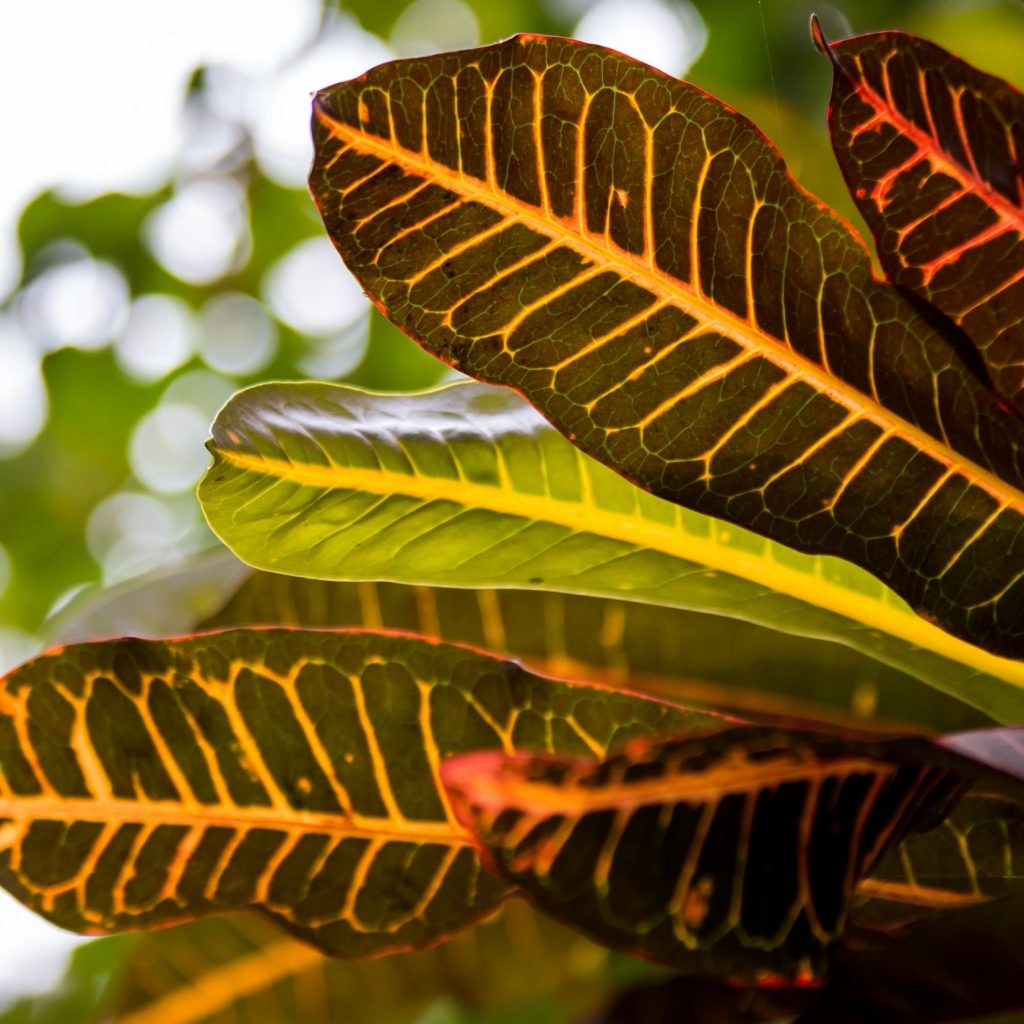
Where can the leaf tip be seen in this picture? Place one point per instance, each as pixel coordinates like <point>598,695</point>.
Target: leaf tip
<point>820,40</point>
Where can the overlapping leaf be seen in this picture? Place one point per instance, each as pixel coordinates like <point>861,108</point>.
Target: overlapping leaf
<point>687,657</point>
<point>932,150</point>
<point>734,854</point>
<point>145,782</point>
<point>468,485</point>
<point>633,257</point>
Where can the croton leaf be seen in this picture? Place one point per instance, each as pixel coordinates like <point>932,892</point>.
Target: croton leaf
<point>932,151</point>
<point>964,966</point>
<point>468,485</point>
<point>633,257</point>
<point>735,854</point>
<point>146,782</point>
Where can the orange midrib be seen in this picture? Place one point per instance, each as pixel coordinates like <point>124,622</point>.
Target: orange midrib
<point>701,308</point>
<point>489,790</point>
<point>919,895</point>
<point>21,809</point>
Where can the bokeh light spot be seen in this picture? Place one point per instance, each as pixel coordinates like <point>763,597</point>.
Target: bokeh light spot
<point>668,37</point>
<point>311,290</point>
<point>23,400</point>
<point>166,451</point>
<point>236,336</point>
<point>78,302</point>
<point>430,26</point>
<point>130,533</point>
<point>159,335</point>
<point>279,108</point>
<point>202,233</point>
<point>336,357</point>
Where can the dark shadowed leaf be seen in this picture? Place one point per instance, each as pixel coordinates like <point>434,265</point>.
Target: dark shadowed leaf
<point>932,151</point>
<point>147,782</point>
<point>733,855</point>
<point>633,256</point>
<point>963,965</point>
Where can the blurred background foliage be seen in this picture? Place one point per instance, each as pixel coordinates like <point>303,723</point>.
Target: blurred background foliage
<point>127,319</point>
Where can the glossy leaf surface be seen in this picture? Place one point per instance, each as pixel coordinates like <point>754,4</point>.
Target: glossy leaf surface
<point>932,151</point>
<point>468,485</point>
<point>633,257</point>
<point>146,782</point>
<point>735,854</point>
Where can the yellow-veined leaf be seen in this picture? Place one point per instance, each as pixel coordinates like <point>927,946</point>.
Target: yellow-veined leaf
<point>977,852</point>
<point>468,485</point>
<point>293,771</point>
<point>633,256</point>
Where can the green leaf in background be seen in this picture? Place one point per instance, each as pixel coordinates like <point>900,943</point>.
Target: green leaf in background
<point>243,970</point>
<point>468,486</point>
<point>692,658</point>
<point>633,257</point>
<point>147,782</point>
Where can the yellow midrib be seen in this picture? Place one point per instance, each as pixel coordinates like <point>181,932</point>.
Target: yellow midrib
<point>19,810</point>
<point>224,986</point>
<point>921,895</point>
<point>643,534</point>
<point>700,307</point>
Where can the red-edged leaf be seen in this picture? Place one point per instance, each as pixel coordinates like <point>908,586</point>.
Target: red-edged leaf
<point>931,149</point>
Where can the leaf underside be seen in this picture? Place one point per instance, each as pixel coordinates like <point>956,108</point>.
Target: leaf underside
<point>147,782</point>
<point>685,657</point>
<point>467,485</point>
<point>932,151</point>
<point>634,258</point>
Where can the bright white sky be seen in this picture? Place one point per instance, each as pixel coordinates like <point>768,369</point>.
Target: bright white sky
<point>92,100</point>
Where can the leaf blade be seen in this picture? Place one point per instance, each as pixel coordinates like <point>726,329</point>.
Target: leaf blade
<point>397,186</point>
<point>733,854</point>
<point>930,148</point>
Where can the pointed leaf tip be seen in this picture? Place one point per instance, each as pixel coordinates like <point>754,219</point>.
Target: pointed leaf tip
<point>820,40</point>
